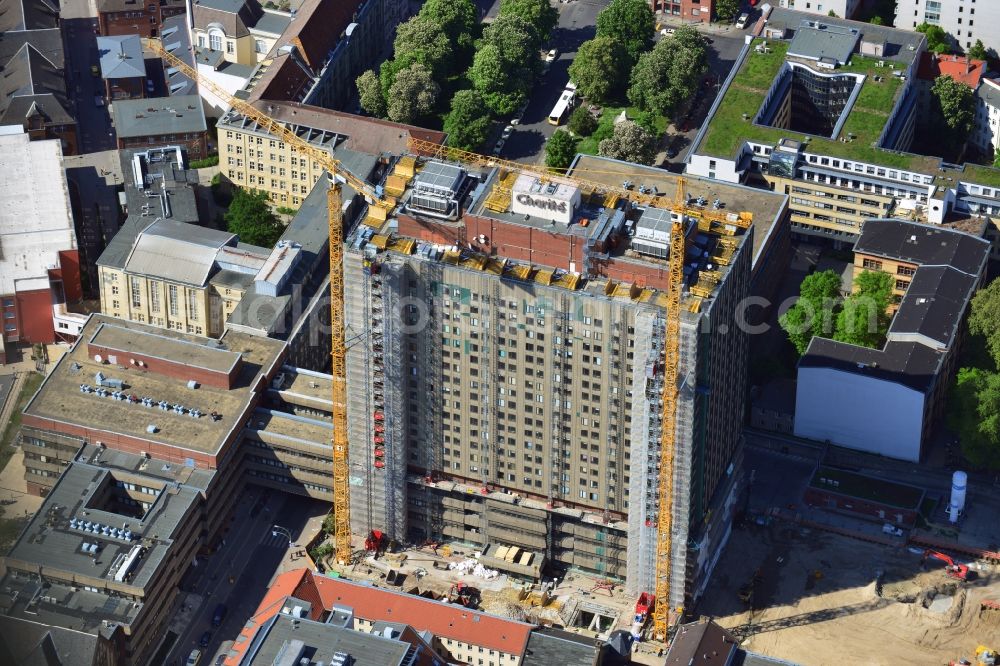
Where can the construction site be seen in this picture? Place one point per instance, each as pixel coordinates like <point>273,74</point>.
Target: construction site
<point>814,597</point>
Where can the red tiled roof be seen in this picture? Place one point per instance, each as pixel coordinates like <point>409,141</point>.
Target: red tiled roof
<point>365,135</point>
<point>960,68</point>
<point>317,27</point>
<point>441,619</point>
<point>285,79</point>
<point>284,585</point>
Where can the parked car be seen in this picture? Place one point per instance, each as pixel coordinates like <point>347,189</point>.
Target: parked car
<point>98,100</point>
<point>95,70</point>
<point>666,32</point>
<point>206,638</point>
<point>497,149</point>
<point>551,55</point>
<point>220,614</point>
<point>507,131</point>
<point>741,22</point>
<point>193,658</point>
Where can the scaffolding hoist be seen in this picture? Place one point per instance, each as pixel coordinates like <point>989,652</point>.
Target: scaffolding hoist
<point>711,221</point>
<point>379,209</point>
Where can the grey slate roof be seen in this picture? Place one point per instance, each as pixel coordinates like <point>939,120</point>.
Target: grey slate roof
<point>273,23</point>
<point>923,244</point>
<point>177,252</point>
<point>562,648</point>
<point>175,38</point>
<point>27,643</point>
<point>989,94</point>
<point>18,15</point>
<point>934,304</point>
<point>32,85</point>
<point>159,116</point>
<point>949,266</point>
<point>121,57</point>
<point>235,16</point>
<point>321,642</point>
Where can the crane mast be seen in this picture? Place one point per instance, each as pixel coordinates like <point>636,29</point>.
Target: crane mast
<point>338,347</point>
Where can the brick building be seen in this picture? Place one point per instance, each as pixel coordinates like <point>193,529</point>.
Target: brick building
<point>122,67</point>
<point>686,10</point>
<point>162,121</point>
<point>135,17</point>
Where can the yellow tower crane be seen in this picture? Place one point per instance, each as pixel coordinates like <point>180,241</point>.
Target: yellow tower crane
<point>713,221</point>
<point>338,349</point>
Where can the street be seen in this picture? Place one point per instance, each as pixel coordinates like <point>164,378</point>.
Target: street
<point>576,25</point>
<point>93,121</point>
<point>238,573</point>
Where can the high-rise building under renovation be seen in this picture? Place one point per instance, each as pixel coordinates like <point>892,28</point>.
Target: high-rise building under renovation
<point>505,363</point>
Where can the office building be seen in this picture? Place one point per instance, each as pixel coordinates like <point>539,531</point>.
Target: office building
<point>895,395</point>
<point>515,401</point>
<point>251,157</point>
<point>131,17</point>
<point>39,261</point>
<point>33,91</point>
<point>825,110</point>
<point>965,21</point>
<point>93,577</point>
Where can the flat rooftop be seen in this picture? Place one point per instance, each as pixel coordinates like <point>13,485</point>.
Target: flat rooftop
<point>60,400</point>
<point>292,428</point>
<point>728,129</point>
<point>310,389</point>
<point>156,116</point>
<point>867,488</point>
<point>767,207</point>
<point>283,635</point>
<point>56,541</point>
<point>193,353</point>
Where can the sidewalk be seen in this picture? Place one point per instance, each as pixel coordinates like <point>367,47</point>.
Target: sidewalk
<point>715,28</point>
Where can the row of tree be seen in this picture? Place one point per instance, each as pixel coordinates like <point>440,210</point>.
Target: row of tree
<point>619,60</point>
<point>859,319</point>
<point>974,405</point>
<point>441,61</point>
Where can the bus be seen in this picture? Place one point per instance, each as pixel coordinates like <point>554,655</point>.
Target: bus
<point>562,107</point>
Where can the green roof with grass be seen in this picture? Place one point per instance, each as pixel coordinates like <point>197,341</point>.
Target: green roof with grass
<point>867,488</point>
<point>728,130</point>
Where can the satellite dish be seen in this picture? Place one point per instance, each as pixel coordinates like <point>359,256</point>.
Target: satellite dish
<point>98,358</point>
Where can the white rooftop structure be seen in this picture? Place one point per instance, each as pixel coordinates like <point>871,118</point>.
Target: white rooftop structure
<point>36,221</point>
<point>549,199</point>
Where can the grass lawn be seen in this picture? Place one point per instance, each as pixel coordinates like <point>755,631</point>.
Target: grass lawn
<point>868,488</point>
<point>746,94</point>
<point>606,125</point>
<point>10,528</point>
<point>31,385</point>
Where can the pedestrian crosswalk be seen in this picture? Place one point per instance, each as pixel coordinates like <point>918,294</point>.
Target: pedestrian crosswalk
<point>272,540</point>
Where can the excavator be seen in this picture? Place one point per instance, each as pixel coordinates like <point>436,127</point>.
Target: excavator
<point>984,657</point>
<point>952,568</point>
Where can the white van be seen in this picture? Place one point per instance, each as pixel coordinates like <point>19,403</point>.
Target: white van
<point>741,22</point>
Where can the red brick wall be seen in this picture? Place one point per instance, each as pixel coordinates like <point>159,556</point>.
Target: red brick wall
<point>690,10</point>
<point>126,443</point>
<point>197,147</point>
<point>644,275</point>
<point>170,368</point>
<point>541,247</point>
<point>131,88</point>
<point>34,316</point>
<point>69,265</point>
<point>139,20</point>
<point>822,498</point>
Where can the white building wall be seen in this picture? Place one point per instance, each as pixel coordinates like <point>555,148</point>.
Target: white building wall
<point>859,412</point>
<point>842,8</point>
<point>986,134</point>
<point>214,106</point>
<point>965,20</point>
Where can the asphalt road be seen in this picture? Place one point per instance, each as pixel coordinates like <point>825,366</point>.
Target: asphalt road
<point>93,121</point>
<point>251,555</point>
<point>576,25</point>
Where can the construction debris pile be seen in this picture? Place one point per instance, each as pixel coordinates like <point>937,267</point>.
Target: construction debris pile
<point>472,566</point>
